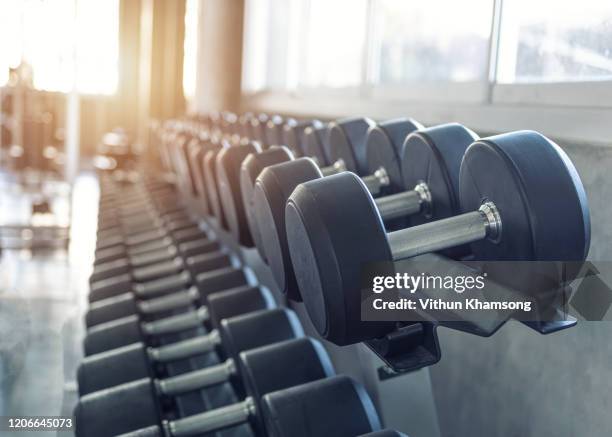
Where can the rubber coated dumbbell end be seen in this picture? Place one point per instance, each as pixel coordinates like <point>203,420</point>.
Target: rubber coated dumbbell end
<point>337,406</point>
<point>328,252</point>
<point>272,188</point>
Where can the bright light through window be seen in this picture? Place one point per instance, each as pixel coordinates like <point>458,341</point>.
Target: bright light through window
<point>555,40</point>
<point>255,48</point>
<point>68,43</point>
<point>190,48</point>
<point>335,45</point>
<point>437,40</point>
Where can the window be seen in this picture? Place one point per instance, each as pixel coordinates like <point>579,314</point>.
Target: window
<point>271,42</point>
<point>67,43</point>
<point>484,52</point>
<point>415,42</point>
<point>555,41</point>
<point>335,43</point>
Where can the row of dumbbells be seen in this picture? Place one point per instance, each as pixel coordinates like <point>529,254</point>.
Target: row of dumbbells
<point>321,200</point>
<point>164,294</point>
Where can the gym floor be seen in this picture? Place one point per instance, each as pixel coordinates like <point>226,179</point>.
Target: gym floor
<point>43,295</point>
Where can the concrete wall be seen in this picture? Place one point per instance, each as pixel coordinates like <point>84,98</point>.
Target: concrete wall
<point>520,383</point>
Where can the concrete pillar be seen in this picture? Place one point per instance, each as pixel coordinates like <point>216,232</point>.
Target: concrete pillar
<point>219,63</point>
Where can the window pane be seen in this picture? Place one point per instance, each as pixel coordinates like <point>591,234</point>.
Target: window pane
<point>335,43</point>
<point>97,46</point>
<point>254,45</point>
<point>558,40</point>
<point>60,41</point>
<point>270,38</point>
<point>437,40</point>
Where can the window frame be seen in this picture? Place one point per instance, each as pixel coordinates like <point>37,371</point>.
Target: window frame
<point>578,111</point>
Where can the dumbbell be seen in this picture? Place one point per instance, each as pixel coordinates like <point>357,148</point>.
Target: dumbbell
<point>244,126</point>
<point>210,171</point>
<point>197,150</point>
<point>336,406</point>
<point>293,136</point>
<point>152,264</point>
<point>521,199</point>
<point>233,333</point>
<point>137,218</point>
<point>422,177</point>
<point>273,132</point>
<point>140,238</point>
<point>313,143</point>
<point>163,249</point>
<point>258,129</point>
<point>250,168</point>
<point>256,372</point>
<point>130,329</point>
<point>350,133</point>
<point>163,278</point>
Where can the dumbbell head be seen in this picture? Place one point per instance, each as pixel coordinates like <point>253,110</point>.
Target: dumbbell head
<point>235,299</point>
<point>258,129</point>
<point>214,202</point>
<point>535,187</point>
<point>293,135</point>
<point>251,167</point>
<point>384,149</point>
<point>313,143</point>
<point>244,122</point>
<point>274,131</point>
<point>433,155</point>
<point>262,370</point>
<point>346,141</point>
<point>273,186</point>
<point>526,176</point>
<point>236,334</point>
<point>92,412</point>
<point>228,165</point>
<point>337,406</point>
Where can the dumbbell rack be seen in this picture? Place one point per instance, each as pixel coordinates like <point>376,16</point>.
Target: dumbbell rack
<point>411,346</point>
<point>195,402</point>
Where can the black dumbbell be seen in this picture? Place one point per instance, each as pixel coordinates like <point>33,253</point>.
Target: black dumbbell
<point>274,132</point>
<point>349,132</point>
<point>141,238</point>
<point>259,371</point>
<point>521,198</point>
<point>313,143</point>
<point>160,278</point>
<point>258,129</point>
<point>147,266</point>
<point>422,180</point>
<point>228,188</point>
<point>224,185</point>
<point>233,333</point>
<point>210,171</point>
<point>293,136</point>
<point>336,406</point>
<point>148,240</point>
<point>121,251</point>
<point>131,329</point>
<point>251,167</point>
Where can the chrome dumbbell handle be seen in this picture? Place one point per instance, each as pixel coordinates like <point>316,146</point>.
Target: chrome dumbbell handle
<point>213,420</point>
<point>178,323</point>
<point>443,234</point>
<point>186,348</point>
<point>197,380</point>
